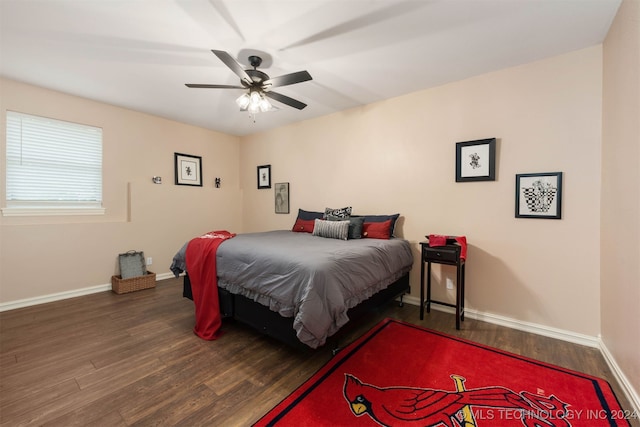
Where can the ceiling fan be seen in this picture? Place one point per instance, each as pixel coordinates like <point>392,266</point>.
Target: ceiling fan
<point>259,84</point>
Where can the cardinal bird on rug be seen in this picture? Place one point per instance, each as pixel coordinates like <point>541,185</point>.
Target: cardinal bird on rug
<point>420,407</point>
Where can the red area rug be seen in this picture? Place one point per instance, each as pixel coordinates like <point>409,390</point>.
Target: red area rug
<point>400,374</point>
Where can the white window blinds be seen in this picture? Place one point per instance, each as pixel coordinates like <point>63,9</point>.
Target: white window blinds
<point>52,164</point>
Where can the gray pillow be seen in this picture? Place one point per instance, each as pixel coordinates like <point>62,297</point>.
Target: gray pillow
<point>331,229</point>
<point>355,225</point>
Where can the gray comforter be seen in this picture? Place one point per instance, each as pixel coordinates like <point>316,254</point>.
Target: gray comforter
<point>312,279</point>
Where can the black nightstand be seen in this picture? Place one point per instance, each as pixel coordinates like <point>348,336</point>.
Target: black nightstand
<point>450,255</point>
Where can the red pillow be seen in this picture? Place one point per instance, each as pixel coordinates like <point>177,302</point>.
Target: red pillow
<point>303,226</point>
<point>377,230</point>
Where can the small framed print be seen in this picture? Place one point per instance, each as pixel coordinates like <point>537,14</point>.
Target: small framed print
<point>264,177</point>
<point>539,195</point>
<point>476,160</point>
<point>188,169</point>
<point>282,197</point>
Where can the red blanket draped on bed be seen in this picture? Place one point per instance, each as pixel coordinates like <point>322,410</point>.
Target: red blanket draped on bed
<point>200,258</point>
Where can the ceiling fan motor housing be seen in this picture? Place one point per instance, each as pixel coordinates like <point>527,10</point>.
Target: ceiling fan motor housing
<point>255,61</point>
<point>257,76</point>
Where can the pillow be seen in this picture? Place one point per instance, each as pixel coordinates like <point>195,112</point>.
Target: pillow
<point>355,225</point>
<point>309,215</point>
<point>331,229</point>
<point>377,230</point>
<point>382,218</point>
<point>303,226</point>
<point>340,213</point>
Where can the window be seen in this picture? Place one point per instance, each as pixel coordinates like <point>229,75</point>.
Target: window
<point>53,167</point>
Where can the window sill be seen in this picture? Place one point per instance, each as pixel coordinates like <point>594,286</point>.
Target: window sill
<point>49,211</point>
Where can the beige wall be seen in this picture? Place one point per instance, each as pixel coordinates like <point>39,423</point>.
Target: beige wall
<point>399,156</point>
<point>620,224</point>
<point>393,156</point>
<point>42,256</point>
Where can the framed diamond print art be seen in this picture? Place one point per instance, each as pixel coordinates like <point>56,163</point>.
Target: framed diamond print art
<point>539,195</point>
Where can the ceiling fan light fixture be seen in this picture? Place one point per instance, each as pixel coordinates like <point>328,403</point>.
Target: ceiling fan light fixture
<point>265,105</point>
<point>255,98</point>
<point>254,108</point>
<point>243,101</point>
<point>254,102</point>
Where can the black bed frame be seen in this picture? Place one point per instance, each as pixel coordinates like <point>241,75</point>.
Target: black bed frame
<point>271,323</point>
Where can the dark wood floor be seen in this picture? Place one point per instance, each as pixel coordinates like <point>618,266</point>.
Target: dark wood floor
<point>132,359</point>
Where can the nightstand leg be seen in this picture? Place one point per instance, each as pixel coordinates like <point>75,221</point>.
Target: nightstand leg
<point>462,286</point>
<point>428,287</point>
<point>458,297</point>
<point>422,288</point>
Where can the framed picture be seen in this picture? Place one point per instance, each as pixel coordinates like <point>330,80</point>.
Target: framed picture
<point>188,169</point>
<point>264,177</point>
<point>539,195</point>
<point>282,197</point>
<point>476,160</point>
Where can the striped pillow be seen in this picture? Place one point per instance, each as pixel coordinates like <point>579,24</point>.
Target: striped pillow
<point>331,229</point>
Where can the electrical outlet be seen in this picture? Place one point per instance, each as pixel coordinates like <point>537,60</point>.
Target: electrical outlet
<point>449,283</point>
<point>149,260</point>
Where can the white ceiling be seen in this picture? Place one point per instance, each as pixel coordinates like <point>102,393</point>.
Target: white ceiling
<point>138,54</point>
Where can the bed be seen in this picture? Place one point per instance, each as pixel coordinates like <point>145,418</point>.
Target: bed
<point>301,288</point>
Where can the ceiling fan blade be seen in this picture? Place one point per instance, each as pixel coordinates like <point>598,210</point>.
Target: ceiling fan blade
<point>287,79</point>
<point>195,85</point>
<point>235,66</point>
<point>286,100</point>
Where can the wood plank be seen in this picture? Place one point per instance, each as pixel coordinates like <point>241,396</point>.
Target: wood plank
<point>133,359</point>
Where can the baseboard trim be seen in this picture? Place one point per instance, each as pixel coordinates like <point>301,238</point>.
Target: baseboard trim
<point>28,302</point>
<point>586,340</point>
<point>508,322</point>
<point>625,384</point>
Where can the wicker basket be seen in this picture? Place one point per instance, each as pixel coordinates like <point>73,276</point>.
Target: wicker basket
<point>122,286</point>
